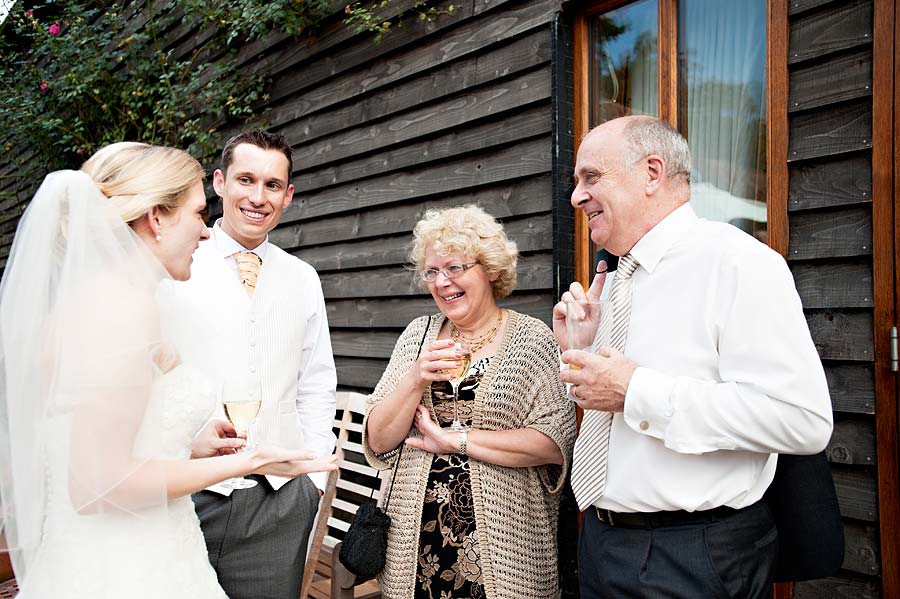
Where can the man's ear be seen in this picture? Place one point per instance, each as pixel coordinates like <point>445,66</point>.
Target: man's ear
<point>219,182</point>
<point>656,173</point>
<point>288,196</point>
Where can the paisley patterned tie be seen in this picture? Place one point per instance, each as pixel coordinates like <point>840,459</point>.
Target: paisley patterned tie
<point>592,446</point>
<point>248,269</point>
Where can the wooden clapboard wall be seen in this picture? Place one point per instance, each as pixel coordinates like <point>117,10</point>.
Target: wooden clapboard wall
<point>830,57</point>
<point>437,114</point>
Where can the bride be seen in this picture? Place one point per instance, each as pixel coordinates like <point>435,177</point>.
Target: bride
<point>98,414</point>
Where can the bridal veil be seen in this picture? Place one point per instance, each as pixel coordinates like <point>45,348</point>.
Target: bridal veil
<point>80,349</point>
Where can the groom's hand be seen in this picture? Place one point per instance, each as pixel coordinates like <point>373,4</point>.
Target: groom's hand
<point>218,437</point>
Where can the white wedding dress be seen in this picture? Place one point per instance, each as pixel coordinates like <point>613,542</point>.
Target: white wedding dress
<point>156,552</point>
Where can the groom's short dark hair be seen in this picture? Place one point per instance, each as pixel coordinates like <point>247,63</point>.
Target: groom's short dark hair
<point>261,139</point>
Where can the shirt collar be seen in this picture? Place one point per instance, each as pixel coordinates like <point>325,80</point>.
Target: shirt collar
<point>226,246</point>
<point>650,248</point>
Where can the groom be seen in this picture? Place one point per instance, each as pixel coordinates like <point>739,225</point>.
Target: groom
<point>263,314</point>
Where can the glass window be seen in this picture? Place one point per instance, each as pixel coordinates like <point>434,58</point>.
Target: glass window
<point>716,54</point>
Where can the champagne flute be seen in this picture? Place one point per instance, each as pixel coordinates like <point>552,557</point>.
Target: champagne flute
<point>459,373</point>
<point>241,399</point>
<point>582,321</point>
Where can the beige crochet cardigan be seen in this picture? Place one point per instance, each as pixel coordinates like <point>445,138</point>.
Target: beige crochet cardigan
<point>516,509</point>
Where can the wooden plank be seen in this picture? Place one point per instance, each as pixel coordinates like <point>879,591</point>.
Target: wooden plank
<point>795,7</point>
<point>363,343</point>
<point>449,78</point>
<point>777,128</point>
<point>852,387</point>
<point>473,104</point>
<point>857,492</point>
<point>380,313</point>
<point>522,160</point>
<point>359,372</point>
<point>534,120</point>
<point>831,182</point>
<point>839,27</point>
<point>832,130</point>
<point>468,39</point>
<point>842,334</point>
<point>861,548</point>
<point>838,587</point>
<point>844,77</point>
<point>534,273</point>
<point>886,274</point>
<point>836,233</point>
<point>853,441</point>
<point>527,195</point>
<point>530,234</point>
<point>837,284</point>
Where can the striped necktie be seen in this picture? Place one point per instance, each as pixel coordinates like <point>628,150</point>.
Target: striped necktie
<point>592,446</point>
<point>248,269</point>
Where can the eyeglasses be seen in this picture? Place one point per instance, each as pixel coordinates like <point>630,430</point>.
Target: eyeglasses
<point>451,271</point>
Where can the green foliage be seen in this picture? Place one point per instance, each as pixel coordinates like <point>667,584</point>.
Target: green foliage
<point>76,75</point>
<point>86,74</point>
<point>361,18</point>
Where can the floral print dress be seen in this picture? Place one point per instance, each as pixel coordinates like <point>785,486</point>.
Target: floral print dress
<point>449,565</point>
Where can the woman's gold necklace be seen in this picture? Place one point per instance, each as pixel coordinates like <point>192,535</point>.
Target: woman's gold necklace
<point>478,341</point>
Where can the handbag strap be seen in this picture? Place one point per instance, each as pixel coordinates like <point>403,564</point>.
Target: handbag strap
<point>402,443</point>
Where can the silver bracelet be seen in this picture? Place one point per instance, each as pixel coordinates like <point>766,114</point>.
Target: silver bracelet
<point>463,440</point>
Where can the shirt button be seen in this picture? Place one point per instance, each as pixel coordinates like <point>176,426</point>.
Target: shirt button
<point>253,344</point>
<point>644,425</point>
<point>253,369</point>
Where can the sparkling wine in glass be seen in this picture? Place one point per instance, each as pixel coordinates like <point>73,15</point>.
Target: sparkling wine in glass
<point>459,373</point>
<point>241,399</point>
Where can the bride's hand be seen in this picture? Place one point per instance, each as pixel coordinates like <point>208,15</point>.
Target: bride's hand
<point>216,438</point>
<point>278,461</point>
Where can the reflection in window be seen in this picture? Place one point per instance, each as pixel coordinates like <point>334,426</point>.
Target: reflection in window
<point>623,62</point>
<point>722,65</point>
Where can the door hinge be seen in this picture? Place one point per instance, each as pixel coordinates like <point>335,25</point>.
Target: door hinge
<point>893,349</point>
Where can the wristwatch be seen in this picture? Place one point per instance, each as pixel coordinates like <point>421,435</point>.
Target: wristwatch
<point>463,439</point>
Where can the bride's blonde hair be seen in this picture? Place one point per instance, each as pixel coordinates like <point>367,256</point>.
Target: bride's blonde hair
<point>137,177</point>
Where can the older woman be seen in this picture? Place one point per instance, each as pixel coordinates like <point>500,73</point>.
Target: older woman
<point>473,512</point>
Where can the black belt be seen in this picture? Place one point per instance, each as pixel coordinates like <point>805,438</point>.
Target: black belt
<point>662,519</point>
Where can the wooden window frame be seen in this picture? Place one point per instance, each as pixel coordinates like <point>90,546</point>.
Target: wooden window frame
<point>667,45</point>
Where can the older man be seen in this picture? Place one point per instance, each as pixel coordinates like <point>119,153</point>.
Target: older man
<point>705,372</point>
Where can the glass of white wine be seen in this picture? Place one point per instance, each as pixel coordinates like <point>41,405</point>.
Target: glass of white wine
<point>241,399</point>
<point>459,373</point>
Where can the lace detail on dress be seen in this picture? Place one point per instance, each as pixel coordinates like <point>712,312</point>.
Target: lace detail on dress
<point>143,554</point>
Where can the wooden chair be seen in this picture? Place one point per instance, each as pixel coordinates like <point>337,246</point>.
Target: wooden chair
<point>355,483</point>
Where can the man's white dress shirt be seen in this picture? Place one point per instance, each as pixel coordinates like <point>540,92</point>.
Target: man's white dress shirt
<point>280,336</point>
<point>728,374</point>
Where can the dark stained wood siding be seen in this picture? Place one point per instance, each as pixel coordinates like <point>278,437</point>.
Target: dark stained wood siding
<point>438,114</point>
<point>830,254</point>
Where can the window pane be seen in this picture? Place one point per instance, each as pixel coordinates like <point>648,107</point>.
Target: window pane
<point>623,62</point>
<point>722,67</point>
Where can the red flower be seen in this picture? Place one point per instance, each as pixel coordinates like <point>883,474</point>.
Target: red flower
<point>29,13</point>
<point>53,29</point>
<point>44,86</point>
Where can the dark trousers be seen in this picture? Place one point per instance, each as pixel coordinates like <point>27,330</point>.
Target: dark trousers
<point>256,538</point>
<point>730,556</point>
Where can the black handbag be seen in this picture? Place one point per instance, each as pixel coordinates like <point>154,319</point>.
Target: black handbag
<point>364,547</point>
<point>804,505</point>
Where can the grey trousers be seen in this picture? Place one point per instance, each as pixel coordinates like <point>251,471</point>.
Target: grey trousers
<point>256,538</point>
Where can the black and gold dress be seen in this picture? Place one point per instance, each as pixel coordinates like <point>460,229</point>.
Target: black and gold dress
<point>448,565</point>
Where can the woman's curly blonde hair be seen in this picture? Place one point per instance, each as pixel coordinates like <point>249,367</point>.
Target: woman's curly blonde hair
<point>471,232</point>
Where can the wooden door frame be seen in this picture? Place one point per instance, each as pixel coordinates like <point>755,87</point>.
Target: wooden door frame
<point>886,279</point>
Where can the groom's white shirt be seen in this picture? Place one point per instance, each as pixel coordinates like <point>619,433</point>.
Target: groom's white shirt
<point>280,335</point>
